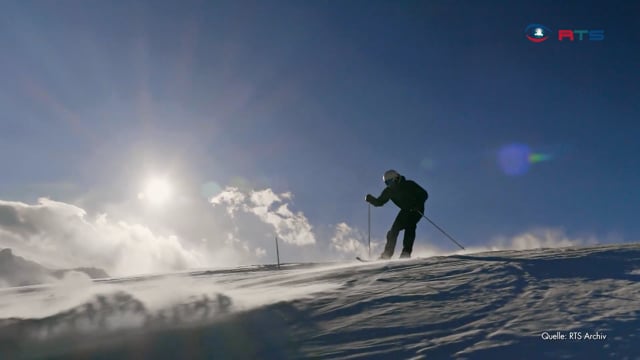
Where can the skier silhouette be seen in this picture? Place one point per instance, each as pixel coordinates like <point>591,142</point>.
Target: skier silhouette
<point>410,198</point>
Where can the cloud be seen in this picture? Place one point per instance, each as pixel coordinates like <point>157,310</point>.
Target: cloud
<point>61,235</point>
<point>347,240</point>
<point>232,199</point>
<point>265,208</point>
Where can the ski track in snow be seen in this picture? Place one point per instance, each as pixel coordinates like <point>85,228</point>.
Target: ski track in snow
<point>473,306</point>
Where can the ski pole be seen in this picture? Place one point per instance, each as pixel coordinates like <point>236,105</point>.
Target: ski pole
<point>277,252</point>
<point>369,227</point>
<point>439,228</point>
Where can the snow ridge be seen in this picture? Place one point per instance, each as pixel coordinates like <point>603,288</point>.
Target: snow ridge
<point>549,303</point>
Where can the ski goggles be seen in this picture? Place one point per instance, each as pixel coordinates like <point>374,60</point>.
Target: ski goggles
<point>388,182</point>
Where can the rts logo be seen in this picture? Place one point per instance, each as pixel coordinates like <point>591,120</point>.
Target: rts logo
<point>538,33</point>
<point>592,35</point>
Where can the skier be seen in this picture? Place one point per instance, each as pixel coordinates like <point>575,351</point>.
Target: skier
<point>410,198</point>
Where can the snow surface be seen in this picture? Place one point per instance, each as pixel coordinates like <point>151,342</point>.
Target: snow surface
<point>466,306</point>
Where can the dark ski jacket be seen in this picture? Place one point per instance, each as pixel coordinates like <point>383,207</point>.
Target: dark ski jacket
<point>406,194</point>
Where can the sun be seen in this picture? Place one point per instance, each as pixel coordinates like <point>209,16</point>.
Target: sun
<point>157,191</point>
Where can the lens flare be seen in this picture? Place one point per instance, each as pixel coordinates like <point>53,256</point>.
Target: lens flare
<point>516,159</point>
<point>537,158</point>
<point>427,163</point>
<point>210,189</point>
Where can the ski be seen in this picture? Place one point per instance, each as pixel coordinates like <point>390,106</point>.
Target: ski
<point>376,260</point>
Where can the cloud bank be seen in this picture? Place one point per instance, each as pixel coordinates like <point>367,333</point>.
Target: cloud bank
<point>61,235</point>
<point>235,228</point>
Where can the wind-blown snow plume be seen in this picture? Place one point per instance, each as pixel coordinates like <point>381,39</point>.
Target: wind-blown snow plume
<point>58,234</point>
<point>533,239</point>
<point>270,209</point>
<point>541,238</point>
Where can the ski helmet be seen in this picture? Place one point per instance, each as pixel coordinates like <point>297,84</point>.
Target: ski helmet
<point>390,177</point>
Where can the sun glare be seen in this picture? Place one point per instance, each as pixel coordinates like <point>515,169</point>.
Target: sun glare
<point>156,191</point>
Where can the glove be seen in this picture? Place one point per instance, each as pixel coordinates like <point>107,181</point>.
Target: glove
<point>369,198</point>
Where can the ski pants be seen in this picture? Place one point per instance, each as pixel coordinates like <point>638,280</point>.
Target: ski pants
<point>407,221</point>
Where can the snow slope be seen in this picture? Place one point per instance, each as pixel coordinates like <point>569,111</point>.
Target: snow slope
<point>17,271</point>
<point>550,303</point>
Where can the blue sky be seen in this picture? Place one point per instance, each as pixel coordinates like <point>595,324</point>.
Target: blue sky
<point>318,99</point>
